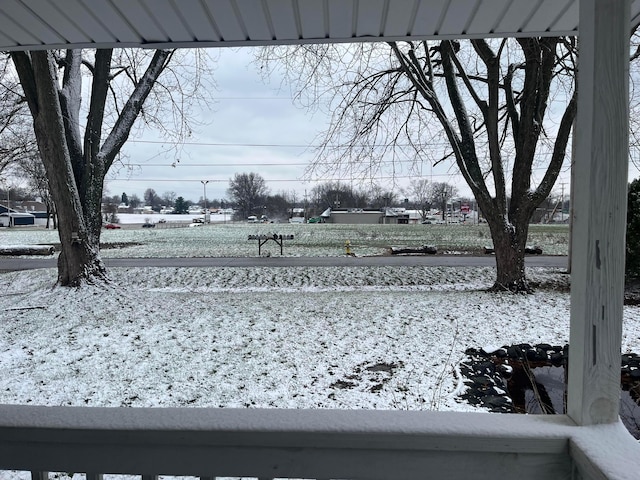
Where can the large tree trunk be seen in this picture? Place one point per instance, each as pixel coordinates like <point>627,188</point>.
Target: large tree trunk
<point>79,260</point>
<point>75,168</point>
<point>509,242</point>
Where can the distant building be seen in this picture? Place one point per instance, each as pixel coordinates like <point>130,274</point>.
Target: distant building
<point>365,216</point>
<point>12,218</point>
<point>297,215</point>
<point>195,210</point>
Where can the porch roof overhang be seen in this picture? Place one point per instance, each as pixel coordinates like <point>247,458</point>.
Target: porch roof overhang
<point>46,24</point>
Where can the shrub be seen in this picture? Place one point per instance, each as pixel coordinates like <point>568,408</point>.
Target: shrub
<point>632,264</point>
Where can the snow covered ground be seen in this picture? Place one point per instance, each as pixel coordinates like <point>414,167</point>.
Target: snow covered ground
<point>312,337</point>
<point>175,239</point>
<point>264,337</point>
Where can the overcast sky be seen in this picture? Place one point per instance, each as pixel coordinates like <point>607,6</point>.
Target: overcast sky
<point>254,127</point>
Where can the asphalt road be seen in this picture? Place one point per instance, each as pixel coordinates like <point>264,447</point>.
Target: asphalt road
<point>12,264</point>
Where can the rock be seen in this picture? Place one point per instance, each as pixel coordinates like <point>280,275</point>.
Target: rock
<point>514,351</point>
<point>532,355</point>
<point>556,359</point>
<point>496,401</point>
<point>485,367</point>
<point>542,354</point>
<point>482,381</point>
<point>506,371</point>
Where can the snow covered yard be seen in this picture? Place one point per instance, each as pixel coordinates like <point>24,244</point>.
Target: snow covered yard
<point>307,337</point>
<point>310,240</point>
<point>325,337</point>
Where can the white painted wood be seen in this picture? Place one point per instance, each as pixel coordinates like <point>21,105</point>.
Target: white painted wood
<point>86,20</point>
<point>569,20</point>
<point>38,27</point>
<point>208,23</point>
<point>118,24</point>
<point>547,14</point>
<point>58,22</point>
<point>313,19</point>
<point>167,18</point>
<point>285,443</point>
<point>12,25</point>
<point>605,452</point>
<point>488,16</point>
<point>312,444</point>
<point>283,19</point>
<point>597,280</point>
<point>254,18</point>
<point>230,26</point>
<point>3,38</point>
<point>341,18</point>
<point>369,18</point>
<point>517,16</point>
<point>399,18</point>
<point>334,444</point>
<point>199,21</point>
<point>428,17</point>
<point>457,17</point>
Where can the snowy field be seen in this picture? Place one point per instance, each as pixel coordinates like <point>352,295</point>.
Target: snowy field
<point>219,239</point>
<point>308,337</point>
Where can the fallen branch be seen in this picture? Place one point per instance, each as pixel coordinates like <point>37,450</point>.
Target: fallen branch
<point>529,250</point>
<point>13,309</point>
<point>17,250</point>
<point>424,249</point>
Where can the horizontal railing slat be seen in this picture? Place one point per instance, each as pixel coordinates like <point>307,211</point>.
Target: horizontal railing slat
<point>311,444</point>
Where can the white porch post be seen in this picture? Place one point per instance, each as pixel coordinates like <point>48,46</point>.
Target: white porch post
<point>597,279</point>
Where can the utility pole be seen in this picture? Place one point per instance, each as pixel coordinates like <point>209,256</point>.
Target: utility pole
<point>305,205</point>
<point>562,184</point>
<point>206,213</point>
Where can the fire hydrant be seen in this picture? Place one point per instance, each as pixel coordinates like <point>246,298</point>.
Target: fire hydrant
<point>347,247</point>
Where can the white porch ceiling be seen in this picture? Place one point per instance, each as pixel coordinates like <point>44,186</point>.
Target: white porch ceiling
<point>37,24</point>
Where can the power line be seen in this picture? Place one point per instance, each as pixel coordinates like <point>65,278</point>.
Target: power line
<point>297,180</point>
<point>291,145</point>
<point>217,144</point>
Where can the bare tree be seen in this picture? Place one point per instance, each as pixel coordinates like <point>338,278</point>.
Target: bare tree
<point>440,193</point>
<point>482,103</point>
<point>420,191</point>
<point>16,136</point>
<point>169,198</point>
<point>151,198</point>
<point>379,197</point>
<point>31,168</point>
<point>77,157</point>
<point>335,194</point>
<point>134,201</point>
<point>248,191</point>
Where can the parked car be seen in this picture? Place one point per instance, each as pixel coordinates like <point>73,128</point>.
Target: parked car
<point>148,225</point>
<point>112,226</point>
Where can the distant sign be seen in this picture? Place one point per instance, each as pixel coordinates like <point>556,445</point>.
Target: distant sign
<point>464,209</point>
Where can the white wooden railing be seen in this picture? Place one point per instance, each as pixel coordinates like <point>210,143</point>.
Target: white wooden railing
<point>320,444</point>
